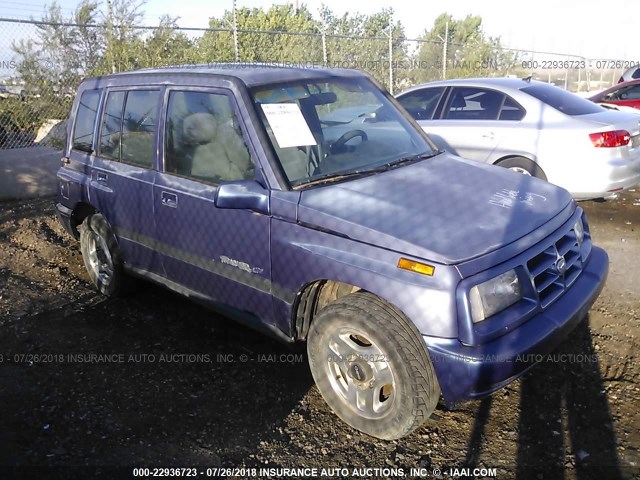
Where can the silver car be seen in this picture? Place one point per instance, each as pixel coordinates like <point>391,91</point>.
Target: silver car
<point>532,128</point>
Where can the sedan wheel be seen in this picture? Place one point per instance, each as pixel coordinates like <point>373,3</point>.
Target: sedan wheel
<point>523,166</point>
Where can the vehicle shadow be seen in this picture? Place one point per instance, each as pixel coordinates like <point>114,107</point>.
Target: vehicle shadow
<point>564,420</point>
<point>148,379</point>
<point>564,400</point>
<point>564,427</point>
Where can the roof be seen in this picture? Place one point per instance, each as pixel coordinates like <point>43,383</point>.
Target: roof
<point>249,73</point>
<point>503,82</point>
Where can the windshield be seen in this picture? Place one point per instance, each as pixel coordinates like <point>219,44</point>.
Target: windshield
<point>566,102</point>
<point>335,127</point>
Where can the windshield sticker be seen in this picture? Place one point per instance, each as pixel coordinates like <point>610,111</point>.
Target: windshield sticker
<point>508,198</point>
<point>288,125</point>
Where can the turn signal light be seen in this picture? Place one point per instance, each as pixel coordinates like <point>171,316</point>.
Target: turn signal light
<point>417,267</point>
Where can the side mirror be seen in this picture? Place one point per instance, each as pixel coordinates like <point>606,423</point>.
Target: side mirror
<point>243,195</point>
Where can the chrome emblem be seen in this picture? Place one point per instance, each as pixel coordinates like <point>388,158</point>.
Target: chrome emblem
<point>561,265</point>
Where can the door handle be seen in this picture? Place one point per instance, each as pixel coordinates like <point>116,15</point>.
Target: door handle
<point>169,199</point>
<point>102,178</point>
<point>488,135</point>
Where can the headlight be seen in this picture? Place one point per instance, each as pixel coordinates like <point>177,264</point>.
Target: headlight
<point>578,228</point>
<point>494,295</point>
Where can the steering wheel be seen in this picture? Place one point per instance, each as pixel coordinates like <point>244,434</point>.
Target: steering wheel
<point>339,144</point>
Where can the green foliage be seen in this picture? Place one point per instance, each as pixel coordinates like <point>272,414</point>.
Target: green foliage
<point>470,53</point>
<point>367,47</point>
<point>19,115</point>
<point>217,46</point>
<point>103,38</point>
<point>89,43</point>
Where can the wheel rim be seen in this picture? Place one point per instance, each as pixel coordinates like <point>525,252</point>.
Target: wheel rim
<point>520,170</point>
<point>100,260</point>
<point>359,373</point>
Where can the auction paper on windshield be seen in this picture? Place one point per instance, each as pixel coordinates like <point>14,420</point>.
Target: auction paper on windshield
<point>288,125</point>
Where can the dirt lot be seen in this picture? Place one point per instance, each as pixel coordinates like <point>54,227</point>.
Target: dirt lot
<point>165,391</point>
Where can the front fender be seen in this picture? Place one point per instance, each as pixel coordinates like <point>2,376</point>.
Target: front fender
<point>301,255</point>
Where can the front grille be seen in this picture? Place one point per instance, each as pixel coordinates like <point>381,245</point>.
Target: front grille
<point>547,278</point>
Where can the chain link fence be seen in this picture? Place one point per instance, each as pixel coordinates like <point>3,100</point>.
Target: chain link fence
<point>41,64</point>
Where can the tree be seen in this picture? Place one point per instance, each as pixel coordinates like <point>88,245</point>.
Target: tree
<point>166,46</point>
<point>59,54</point>
<point>469,51</point>
<point>89,42</point>
<point>345,43</point>
<point>362,42</point>
<point>218,46</point>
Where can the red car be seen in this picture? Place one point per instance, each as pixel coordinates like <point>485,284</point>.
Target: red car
<point>624,96</point>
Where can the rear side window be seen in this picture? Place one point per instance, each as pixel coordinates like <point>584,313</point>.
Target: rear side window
<point>111,126</point>
<point>470,103</point>
<point>422,103</point>
<point>128,126</point>
<point>511,110</point>
<point>631,92</point>
<point>86,120</point>
<point>139,126</point>
<point>563,101</point>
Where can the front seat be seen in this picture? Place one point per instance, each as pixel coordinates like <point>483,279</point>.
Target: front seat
<point>219,153</point>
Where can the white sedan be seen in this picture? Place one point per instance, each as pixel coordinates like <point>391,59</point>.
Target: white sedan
<point>532,128</point>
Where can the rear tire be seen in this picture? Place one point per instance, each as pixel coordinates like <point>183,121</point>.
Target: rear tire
<point>102,257</point>
<point>371,366</point>
<point>524,166</point>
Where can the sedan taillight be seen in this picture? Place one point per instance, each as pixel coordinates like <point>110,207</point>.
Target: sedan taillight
<point>616,138</point>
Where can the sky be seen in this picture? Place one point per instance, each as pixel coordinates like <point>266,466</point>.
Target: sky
<point>578,28</point>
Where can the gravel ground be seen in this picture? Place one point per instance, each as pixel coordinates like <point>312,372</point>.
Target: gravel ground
<point>154,380</point>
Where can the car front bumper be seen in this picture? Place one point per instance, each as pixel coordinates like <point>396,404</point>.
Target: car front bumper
<point>468,372</point>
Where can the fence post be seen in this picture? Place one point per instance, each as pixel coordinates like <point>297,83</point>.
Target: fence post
<point>579,76</point>
<point>235,33</point>
<point>324,47</point>
<point>391,61</point>
<point>444,51</point>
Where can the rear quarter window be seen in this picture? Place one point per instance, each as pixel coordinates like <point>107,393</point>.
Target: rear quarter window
<point>563,101</point>
<point>86,120</point>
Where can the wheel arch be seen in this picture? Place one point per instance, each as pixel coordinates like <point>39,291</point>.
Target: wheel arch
<point>79,214</point>
<point>316,295</point>
<point>509,156</point>
<point>312,298</point>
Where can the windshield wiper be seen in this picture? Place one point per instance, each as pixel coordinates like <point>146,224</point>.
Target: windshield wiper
<point>413,158</point>
<point>338,176</point>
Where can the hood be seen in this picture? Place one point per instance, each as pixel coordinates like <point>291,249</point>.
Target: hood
<point>445,209</point>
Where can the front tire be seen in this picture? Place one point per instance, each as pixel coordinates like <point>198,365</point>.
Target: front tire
<point>371,366</point>
<point>101,256</point>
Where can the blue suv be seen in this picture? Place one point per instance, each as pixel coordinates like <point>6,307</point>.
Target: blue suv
<point>308,204</point>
